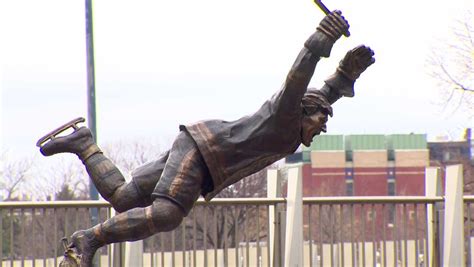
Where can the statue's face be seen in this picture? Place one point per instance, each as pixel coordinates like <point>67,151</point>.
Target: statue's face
<point>311,126</point>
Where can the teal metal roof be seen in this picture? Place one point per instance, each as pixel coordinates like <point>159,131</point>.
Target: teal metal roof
<point>407,141</point>
<point>365,142</point>
<point>327,142</point>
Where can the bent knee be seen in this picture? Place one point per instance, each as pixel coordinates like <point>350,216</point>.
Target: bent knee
<point>127,197</point>
<point>166,215</point>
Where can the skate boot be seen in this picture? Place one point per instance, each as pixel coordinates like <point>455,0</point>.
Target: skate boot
<point>70,258</point>
<point>80,142</point>
<point>85,244</point>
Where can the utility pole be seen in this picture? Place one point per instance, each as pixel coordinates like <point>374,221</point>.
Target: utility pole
<point>91,113</point>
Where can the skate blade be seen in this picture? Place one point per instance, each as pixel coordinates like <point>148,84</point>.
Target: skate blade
<point>55,132</point>
<point>70,257</point>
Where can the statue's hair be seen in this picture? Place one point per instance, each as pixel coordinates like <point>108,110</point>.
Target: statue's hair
<point>314,101</point>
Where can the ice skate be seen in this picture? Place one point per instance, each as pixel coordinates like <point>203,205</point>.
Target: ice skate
<point>77,142</point>
<point>85,246</point>
<point>71,259</point>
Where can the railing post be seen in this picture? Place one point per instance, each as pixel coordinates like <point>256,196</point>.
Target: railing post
<point>118,249</point>
<point>453,251</point>
<point>294,219</point>
<point>432,189</point>
<point>118,255</point>
<point>274,240</point>
<point>134,253</point>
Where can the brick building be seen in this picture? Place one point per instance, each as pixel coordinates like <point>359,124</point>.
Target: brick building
<point>364,165</point>
<point>376,165</point>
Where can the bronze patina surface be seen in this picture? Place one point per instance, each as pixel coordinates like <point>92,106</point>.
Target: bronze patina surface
<point>210,155</point>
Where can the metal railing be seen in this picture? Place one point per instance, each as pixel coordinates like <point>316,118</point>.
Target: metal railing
<point>338,231</point>
<point>30,231</point>
<point>335,231</point>
<point>367,231</point>
<point>223,232</point>
<point>232,232</point>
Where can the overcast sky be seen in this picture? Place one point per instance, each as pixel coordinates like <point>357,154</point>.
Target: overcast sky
<point>163,63</point>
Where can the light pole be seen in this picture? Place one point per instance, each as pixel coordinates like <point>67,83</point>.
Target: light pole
<point>91,114</point>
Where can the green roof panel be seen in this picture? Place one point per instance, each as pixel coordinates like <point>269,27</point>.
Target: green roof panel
<point>327,142</point>
<point>366,142</point>
<point>408,141</point>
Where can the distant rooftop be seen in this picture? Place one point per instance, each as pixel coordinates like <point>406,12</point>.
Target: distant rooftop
<point>368,142</point>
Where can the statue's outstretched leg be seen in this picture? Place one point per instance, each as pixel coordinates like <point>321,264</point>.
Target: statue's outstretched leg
<point>178,189</point>
<point>135,224</point>
<point>107,178</point>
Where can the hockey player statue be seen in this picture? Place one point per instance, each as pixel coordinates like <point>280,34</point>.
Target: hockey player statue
<point>210,155</point>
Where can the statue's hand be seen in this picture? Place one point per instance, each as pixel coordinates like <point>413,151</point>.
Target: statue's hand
<point>356,61</point>
<point>333,25</point>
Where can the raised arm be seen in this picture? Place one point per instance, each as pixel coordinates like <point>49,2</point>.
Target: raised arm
<point>318,45</point>
<point>341,83</point>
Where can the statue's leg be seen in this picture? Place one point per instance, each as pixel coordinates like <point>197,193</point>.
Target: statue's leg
<point>146,177</point>
<point>175,194</point>
<point>111,184</point>
<point>107,178</point>
<point>135,224</point>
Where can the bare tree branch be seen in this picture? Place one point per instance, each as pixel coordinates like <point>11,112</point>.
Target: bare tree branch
<point>14,175</point>
<point>452,64</point>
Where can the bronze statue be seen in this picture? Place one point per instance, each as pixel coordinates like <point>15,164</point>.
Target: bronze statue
<point>210,155</point>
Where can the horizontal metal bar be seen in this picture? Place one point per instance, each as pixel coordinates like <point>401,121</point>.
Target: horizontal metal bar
<point>103,204</point>
<point>55,204</point>
<point>468,199</point>
<point>242,201</point>
<point>238,201</point>
<point>372,200</point>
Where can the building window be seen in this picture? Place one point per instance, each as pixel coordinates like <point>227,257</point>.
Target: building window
<point>349,156</point>
<point>349,187</point>
<point>391,155</point>
<point>391,187</point>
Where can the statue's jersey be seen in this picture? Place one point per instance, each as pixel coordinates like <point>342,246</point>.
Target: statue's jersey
<point>236,149</point>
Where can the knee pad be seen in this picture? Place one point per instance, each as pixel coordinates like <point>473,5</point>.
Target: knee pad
<point>166,215</point>
<point>105,175</point>
<point>128,197</point>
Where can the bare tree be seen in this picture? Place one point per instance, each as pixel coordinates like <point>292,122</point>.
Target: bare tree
<point>225,220</point>
<point>14,174</point>
<point>130,155</point>
<point>210,226</point>
<point>452,66</point>
<point>65,176</point>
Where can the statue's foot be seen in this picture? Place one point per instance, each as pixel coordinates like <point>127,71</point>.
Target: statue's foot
<point>85,244</point>
<point>77,142</point>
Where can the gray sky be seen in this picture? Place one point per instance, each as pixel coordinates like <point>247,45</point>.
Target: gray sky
<point>164,63</point>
